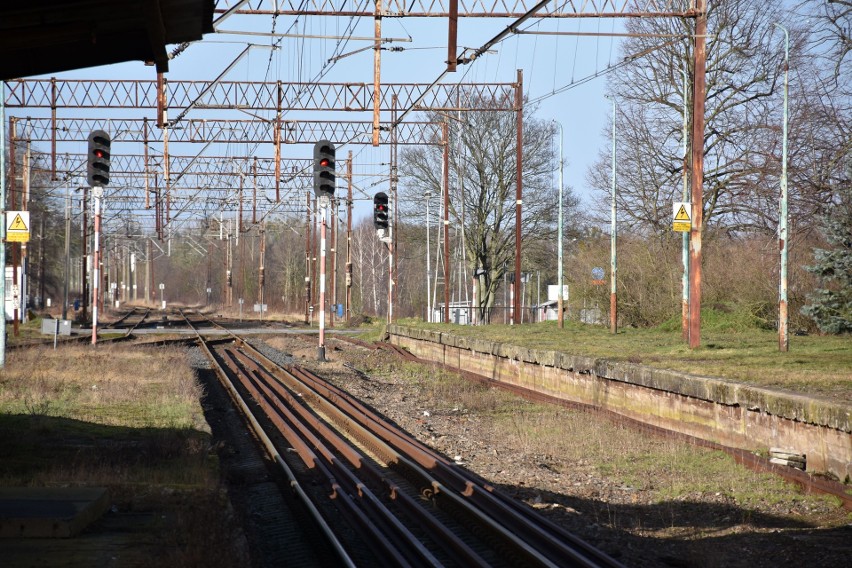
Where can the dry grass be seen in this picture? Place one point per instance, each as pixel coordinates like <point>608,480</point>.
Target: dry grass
<point>663,470</point>
<point>112,415</point>
<point>125,418</point>
<point>110,385</point>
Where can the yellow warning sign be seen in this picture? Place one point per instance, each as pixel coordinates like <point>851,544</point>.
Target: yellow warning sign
<point>681,221</point>
<point>17,226</point>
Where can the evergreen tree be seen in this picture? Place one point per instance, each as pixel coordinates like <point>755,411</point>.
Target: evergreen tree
<point>831,305</point>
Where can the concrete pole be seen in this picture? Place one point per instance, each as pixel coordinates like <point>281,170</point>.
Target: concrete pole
<point>783,335</point>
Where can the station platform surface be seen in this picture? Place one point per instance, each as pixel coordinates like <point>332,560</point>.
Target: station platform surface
<point>49,512</point>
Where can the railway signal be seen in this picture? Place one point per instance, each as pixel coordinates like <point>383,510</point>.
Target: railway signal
<point>324,169</point>
<point>380,210</point>
<point>98,158</point>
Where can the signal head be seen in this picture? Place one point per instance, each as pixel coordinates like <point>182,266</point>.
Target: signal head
<point>98,160</point>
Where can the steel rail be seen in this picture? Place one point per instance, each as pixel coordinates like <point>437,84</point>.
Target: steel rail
<point>545,536</point>
<point>450,542</point>
<point>463,492</point>
<point>309,437</point>
<point>270,448</point>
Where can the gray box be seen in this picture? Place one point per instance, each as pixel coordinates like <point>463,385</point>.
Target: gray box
<point>48,326</point>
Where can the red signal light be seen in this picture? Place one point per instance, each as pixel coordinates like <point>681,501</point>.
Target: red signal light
<point>99,153</point>
<point>325,162</point>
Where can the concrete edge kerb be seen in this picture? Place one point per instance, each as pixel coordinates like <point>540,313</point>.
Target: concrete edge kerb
<point>811,409</point>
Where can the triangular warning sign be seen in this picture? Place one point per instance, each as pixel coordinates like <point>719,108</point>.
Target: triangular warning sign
<point>18,224</point>
<point>682,215</point>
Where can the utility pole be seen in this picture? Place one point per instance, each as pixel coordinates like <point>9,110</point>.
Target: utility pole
<point>613,303</point>
<point>559,278</point>
<point>67,251</point>
<point>783,237</point>
<point>699,82</point>
<point>349,237</point>
<point>3,216</point>
<point>519,192</point>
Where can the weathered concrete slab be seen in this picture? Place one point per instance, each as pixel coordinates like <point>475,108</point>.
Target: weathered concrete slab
<point>49,512</point>
<point>724,411</point>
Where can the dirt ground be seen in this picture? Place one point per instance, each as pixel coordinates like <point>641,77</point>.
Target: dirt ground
<point>645,501</point>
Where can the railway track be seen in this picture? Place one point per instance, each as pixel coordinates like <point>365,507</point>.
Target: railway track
<point>134,318</point>
<point>377,495</point>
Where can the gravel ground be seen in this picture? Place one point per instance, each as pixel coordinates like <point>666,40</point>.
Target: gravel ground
<point>625,493</point>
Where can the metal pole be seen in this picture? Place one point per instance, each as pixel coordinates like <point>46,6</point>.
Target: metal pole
<point>84,273</point>
<point>262,267</point>
<point>307,257</point>
<point>349,237</point>
<point>446,140</point>
<point>3,219</point>
<point>613,303</point>
<point>323,206</point>
<point>96,273</point>
<point>67,251</point>
<point>783,335</point>
<point>519,160</point>
<point>684,312</point>
<point>14,246</point>
<point>428,195</point>
<point>560,306</point>
<point>698,104</point>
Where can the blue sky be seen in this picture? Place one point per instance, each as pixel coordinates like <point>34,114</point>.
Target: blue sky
<point>550,63</point>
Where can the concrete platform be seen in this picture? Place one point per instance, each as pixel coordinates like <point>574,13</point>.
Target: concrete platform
<point>49,512</point>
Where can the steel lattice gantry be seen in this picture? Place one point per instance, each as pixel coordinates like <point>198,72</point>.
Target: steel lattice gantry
<point>465,8</point>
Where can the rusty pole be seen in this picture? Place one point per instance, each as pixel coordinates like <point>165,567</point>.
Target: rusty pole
<point>12,204</point>
<point>519,157</point>
<point>445,127</point>
<point>162,110</point>
<point>166,173</point>
<point>53,128</point>
<point>698,95</point>
<point>261,268</point>
<point>349,237</point>
<point>254,192</point>
<point>145,160</point>
<point>452,39</point>
<point>277,143</point>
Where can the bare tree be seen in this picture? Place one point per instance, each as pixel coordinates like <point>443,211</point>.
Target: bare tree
<point>744,60</point>
<point>482,187</point>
